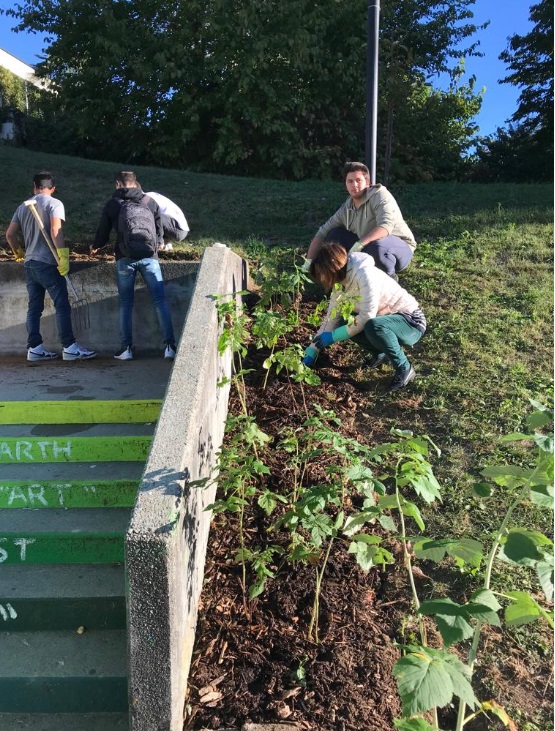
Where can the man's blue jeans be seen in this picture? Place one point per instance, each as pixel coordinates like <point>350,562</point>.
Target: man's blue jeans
<point>42,278</point>
<point>126,272</point>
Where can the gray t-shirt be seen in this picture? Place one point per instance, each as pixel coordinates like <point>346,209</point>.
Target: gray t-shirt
<point>36,247</point>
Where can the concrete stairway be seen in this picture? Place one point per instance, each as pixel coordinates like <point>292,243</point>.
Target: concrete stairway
<point>65,504</point>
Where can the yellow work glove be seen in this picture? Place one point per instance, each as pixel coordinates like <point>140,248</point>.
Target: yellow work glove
<point>63,263</point>
<point>19,254</point>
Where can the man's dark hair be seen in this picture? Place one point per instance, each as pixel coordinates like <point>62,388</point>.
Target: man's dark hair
<point>43,180</point>
<point>127,179</point>
<point>354,167</point>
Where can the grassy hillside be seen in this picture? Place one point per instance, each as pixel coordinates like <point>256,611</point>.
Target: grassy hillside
<point>232,209</point>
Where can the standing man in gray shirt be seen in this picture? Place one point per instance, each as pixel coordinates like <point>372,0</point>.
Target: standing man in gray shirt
<point>370,221</point>
<point>42,272</point>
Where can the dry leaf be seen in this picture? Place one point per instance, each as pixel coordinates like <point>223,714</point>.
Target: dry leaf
<point>211,696</point>
<point>290,693</point>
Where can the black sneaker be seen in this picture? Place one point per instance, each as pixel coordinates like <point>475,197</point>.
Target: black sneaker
<point>403,376</point>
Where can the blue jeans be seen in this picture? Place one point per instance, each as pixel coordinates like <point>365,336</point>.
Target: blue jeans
<point>42,278</point>
<point>391,254</point>
<point>126,272</point>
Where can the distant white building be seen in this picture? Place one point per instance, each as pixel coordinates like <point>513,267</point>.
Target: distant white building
<point>21,69</point>
<point>25,72</point>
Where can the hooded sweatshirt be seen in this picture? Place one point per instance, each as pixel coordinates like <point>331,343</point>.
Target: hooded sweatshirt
<point>379,208</point>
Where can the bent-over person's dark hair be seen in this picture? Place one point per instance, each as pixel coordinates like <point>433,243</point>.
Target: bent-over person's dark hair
<point>43,179</point>
<point>127,179</point>
<point>329,266</point>
<point>353,167</point>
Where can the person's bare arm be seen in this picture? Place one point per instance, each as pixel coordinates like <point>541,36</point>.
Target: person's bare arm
<point>379,232</point>
<point>314,248</point>
<point>13,237</point>
<point>56,232</point>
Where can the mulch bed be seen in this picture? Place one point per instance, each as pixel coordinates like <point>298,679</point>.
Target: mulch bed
<point>255,663</point>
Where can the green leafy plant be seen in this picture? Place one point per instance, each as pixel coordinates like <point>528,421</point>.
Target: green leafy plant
<point>429,678</point>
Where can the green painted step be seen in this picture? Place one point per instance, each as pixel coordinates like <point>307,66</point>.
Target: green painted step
<point>43,450</point>
<point>63,672</point>
<point>85,535</point>
<point>64,721</point>
<point>62,596</point>
<point>79,412</point>
<point>68,494</point>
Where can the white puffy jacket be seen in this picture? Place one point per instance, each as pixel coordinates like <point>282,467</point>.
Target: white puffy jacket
<point>372,293</point>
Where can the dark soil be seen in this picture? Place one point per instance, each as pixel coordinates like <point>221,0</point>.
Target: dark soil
<point>252,660</point>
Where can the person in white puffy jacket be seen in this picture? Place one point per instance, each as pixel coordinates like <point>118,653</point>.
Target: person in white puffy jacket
<point>368,306</point>
<point>174,222</point>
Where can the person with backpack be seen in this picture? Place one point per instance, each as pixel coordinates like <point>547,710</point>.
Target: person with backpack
<point>137,221</point>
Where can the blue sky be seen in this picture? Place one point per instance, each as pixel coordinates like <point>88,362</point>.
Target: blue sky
<point>500,101</point>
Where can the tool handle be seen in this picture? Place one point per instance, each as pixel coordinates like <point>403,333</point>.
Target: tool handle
<point>32,205</point>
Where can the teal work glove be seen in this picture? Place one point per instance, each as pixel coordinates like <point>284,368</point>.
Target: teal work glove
<point>310,355</point>
<point>63,263</point>
<point>357,246</point>
<point>325,339</point>
<point>306,265</point>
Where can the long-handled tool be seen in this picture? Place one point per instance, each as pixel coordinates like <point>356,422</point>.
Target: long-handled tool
<point>80,305</point>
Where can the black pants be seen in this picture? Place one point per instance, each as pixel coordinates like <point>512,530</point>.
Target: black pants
<point>391,253</point>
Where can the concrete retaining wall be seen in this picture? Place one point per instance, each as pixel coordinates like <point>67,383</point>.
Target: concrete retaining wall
<point>96,283</point>
<point>166,541</point>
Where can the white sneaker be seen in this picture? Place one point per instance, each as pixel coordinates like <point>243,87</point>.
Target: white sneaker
<point>169,353</point>
<point>38,353</point>
<point>77,352</point>
<point>125,354</point>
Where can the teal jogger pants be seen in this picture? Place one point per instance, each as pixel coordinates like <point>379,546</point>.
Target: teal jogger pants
<point>386,334</point>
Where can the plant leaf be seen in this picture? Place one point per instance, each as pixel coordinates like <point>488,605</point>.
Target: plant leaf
<point>544,569</point>
<point>521,546</point>
<point>538,419</point>
<point>542,495</point>
<point>464,550</point>
<point>412,511</point>
<point>354,522</point>
<point>427,678</point>
<point>524,609</point>
<point>500,712</point>
<point>482,489</point>
<point>387,523</point>
<point>453,629</point>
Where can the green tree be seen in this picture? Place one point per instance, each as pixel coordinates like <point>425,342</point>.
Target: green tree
<point>257,87</point>
<point>524,151</point>
<point>530,60</point>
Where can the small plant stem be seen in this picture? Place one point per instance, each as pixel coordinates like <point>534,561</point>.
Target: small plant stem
<point>408,564</point>
<point>487,581</point>
<point>242,547</point>
<point>268,371</point>
<point>316,604</point>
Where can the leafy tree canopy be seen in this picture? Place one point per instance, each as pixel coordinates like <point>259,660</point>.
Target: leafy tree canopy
<point>257,87</point>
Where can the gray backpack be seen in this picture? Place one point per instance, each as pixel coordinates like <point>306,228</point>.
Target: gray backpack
<point>137,229</point>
